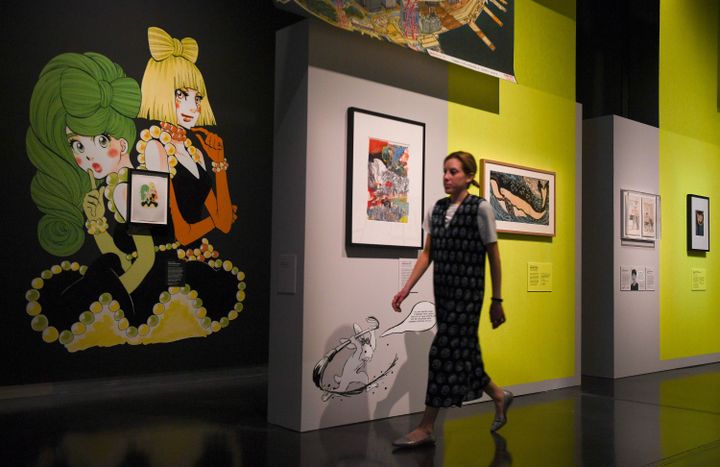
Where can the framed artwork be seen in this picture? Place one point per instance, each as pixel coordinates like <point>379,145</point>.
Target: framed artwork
<point>698,223</point>
<point>385,167</point>
<point>522,198</point>
<point>148,197</point>
<point>649,216</point>
<point>640,216</point>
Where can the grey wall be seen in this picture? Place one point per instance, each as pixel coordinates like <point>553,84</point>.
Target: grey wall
<point>288,220</point>
<point>621,329</point>
<point>338,287</point>
<point>636,314</point>
<point>597,255</point>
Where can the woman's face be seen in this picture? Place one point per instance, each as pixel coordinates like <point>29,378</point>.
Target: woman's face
<point>102,154</point>
<point>187,106</point>
<point>454,179</point>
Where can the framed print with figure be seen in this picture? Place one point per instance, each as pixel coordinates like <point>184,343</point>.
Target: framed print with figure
<point>386,165</point>
<point>698,223</point>
<point>148,193</point>
<point>522,198</point>
<point>649,211</point>
<point>640,216</point>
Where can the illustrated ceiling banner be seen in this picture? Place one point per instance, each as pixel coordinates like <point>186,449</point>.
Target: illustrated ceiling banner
<point>476,34</point>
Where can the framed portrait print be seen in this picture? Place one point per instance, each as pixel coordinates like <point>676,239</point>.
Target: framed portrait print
<point>649,210</point>
<point>385,168</point>
<point>148,197</point>
<point>640,216</point>
<point>522,198</point>
<point>698,223</point>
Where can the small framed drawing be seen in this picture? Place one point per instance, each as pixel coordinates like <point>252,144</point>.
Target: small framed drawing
<point>148,197</point>
<point>522,198</point>
<point>640,216</point>
<point>385,168</point>
<point>698,223</point>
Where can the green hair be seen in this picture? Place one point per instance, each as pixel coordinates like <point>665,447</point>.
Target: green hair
<point>91,95</point>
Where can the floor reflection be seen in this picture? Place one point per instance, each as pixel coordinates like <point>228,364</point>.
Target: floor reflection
<point>189,444</point>
<point>670,418</point>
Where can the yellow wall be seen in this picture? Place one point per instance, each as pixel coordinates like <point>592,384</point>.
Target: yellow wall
<point>689,163</point>
<point>536,128</point>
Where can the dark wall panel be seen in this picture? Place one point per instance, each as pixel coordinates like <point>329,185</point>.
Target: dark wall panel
<point>236,58</point>
<point>618,58</point>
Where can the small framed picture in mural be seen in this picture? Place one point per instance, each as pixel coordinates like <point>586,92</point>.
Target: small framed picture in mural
<point>698,223</point>
<point>522,198</point>
<point>640,216</point>
<point>386,165</point>
<point>148,193</point>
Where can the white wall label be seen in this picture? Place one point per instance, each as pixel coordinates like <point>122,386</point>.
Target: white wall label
<point>650,279</point>
<point>633,278</point>
<point>405,267</point>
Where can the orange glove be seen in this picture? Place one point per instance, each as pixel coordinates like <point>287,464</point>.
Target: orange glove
<point>211,143</point>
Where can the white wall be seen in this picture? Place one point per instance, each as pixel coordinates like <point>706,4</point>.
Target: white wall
<point>342,290</point>
<point>637,313</point>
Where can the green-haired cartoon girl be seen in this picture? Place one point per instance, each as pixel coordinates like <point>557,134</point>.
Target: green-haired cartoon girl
<point>81,129</point>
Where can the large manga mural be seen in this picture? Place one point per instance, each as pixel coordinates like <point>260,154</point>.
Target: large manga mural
<point>90,125</point>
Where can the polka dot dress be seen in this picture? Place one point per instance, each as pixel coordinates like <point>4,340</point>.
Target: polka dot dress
<point>456,372</point>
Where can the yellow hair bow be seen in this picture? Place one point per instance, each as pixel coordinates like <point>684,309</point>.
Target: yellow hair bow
<point>163,46</point>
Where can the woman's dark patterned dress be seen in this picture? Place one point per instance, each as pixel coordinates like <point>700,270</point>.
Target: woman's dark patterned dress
<point>456,372</point>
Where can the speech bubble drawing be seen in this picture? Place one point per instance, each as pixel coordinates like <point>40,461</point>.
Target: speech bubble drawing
<point>421,318</point>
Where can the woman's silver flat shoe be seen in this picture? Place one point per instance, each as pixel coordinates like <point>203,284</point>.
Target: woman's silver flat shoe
<point>501,421</point>
<point>405,442</point>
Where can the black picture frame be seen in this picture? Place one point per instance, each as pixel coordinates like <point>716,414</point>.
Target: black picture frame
<point>148,198</point>
<point>385,190</point>
<point>698,223</point>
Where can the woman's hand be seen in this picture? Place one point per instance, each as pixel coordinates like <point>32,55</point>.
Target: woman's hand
<point>398,299</point>
<point>211,143</point>
<point>93,203</point>
<point>497,314</point>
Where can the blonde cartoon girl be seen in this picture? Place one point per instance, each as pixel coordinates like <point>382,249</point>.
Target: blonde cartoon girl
<point>174,94</point>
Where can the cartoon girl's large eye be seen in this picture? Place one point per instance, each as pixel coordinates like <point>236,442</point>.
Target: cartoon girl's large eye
<point>198,100</point>
<point>77,146</point>
<point>102,140</point>
<point>180,94</point>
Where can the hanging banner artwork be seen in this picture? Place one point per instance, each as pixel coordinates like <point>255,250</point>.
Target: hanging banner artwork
<point>476,34</point>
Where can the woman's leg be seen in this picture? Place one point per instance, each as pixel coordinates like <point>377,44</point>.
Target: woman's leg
<point>497,394</point>
<point>502,398</point>
<point>426,426</point>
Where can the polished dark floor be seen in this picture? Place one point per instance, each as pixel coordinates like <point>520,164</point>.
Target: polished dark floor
<point>663,419</point>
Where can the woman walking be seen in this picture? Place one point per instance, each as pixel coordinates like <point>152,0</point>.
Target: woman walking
<point>460,233</point>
